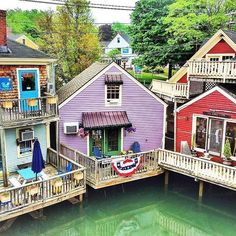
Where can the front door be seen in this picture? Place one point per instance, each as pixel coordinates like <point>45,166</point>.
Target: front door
<point>28,88</point>
<point>113,141</point>
<point>215,136</point>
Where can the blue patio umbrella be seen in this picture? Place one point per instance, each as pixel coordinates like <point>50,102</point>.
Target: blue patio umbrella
<point>37,159</point>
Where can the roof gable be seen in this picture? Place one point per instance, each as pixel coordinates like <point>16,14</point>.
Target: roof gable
<point>124,40</point>
<point>228,36</point>
<point>68,92</point>
<point>221,90</point>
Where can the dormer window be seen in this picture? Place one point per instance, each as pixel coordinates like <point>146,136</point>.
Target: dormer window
<point>118,39</point>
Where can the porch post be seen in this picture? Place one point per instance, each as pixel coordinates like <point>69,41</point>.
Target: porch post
<point>175,107</point>
<point>3,154</point>
<point>57,142</point>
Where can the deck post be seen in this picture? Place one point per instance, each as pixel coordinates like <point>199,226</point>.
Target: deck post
<point>166,180</point>
<point>201,189</point>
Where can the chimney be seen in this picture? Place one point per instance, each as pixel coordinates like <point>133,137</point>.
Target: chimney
<point>3,28</point>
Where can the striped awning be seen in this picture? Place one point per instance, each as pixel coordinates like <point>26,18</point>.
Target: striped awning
<point>113,79</point>
<point>98,120</point>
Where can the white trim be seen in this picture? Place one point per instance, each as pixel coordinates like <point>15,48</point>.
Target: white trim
<point>117,102</point>
<point>206,94</point>
<point>18,79</point>
<point>88,138</point>
<point>122,139</point>
<point>164,127</point>
<point>26,61</point>
<point>101,73</point>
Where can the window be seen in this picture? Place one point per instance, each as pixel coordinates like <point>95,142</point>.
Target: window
<point>28,81</point>
<point>25,145</point>
<point>230,134</point>
<point>23,41</point>
<point>113,140</point>
<point>224,58</point>
<point>113,94</point>
<point>125,50</point>
<point>118,40</point>
<point>201,132</point>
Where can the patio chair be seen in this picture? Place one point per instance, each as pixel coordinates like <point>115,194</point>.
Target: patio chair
<point>97,153</point>
<point>14,182</point>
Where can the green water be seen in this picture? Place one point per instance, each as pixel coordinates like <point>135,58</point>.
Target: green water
<point>144,208</point>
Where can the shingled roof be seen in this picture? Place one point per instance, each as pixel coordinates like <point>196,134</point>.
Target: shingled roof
<point>17,50</point>
<point>79,81</point>
<point>231,35</point>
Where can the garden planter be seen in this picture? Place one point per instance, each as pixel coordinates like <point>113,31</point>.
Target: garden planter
<point>78,176</point>
<point>7,104</point>
<point>32,102</point>
<point>52,100</point>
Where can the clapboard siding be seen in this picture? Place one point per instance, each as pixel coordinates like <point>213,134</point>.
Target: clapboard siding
<point>213,101</point>
<point>144,112</point>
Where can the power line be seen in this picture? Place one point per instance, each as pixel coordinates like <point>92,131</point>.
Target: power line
<point>90,5</point>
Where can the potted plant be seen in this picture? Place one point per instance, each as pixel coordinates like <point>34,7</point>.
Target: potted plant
<point>227,153</point>
<point>7,104</point>
<point>32,102</point>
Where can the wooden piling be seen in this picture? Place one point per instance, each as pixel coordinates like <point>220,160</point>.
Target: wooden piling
<point>201,189</point>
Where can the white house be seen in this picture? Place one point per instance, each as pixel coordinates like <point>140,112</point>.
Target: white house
<point>121,42</point>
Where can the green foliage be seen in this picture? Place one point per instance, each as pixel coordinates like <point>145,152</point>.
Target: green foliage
<point>113,53</point>
<point>71,38</point>
<point>172,30</point>
<point>227,149</point>
<point>148,32</point>
<point>119,27</point>
<point>105,32</point>
<point>24,22</point>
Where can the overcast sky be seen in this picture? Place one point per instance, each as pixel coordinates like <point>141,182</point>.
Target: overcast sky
<point>100,15</point>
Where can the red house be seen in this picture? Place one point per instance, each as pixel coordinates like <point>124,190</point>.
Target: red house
<point>207,121</point>
<point>212,65</point>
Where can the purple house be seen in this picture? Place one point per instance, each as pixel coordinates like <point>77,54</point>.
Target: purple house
<point>106,110</point>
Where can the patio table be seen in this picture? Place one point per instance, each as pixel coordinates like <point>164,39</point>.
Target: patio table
<point>27,174</point>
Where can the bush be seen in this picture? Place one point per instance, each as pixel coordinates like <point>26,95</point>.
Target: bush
<point>158,70</point>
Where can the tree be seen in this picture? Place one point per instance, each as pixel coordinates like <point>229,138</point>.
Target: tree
<point>70,36</point>
<point>114,53</point>
<point>105,32</point>
<point>148,35</point>
<point>190,22</point>
<point>120,27</point>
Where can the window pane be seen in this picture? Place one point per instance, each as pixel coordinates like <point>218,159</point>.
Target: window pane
<point>201,130</point>
<point>25,146</point>
<point>28,81</point>
<point>96,139</point>
<point>112,140</point>
<point>113,91</point>
<point>230,134</point>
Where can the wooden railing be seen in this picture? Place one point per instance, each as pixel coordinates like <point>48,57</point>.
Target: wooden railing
<point>100,171</point>
<point>45,191</point>
<point>198,168</point>
<point>170,89</point>
<point>213,69</point>
<point>12,110</point>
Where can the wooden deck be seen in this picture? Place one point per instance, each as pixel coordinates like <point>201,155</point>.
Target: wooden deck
<point>199,169</point>
<point>100,173</point>
<point>36,195</point>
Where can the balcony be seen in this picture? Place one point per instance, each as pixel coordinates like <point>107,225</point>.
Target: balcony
<point>57,187</point>
<point>169,90</point>
<point>100,173</point>
<point>212,71</point>
<point>14,111</point>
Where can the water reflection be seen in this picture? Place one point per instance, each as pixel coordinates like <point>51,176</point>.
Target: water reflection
<point>137,212</point>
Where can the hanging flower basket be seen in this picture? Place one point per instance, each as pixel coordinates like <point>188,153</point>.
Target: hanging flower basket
<point>7,104</point>
<point>52,100</point>
<point>32,102</point>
